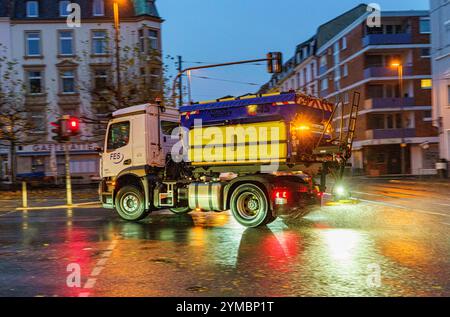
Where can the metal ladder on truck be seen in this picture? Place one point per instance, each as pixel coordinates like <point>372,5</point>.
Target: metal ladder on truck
<point>344,146</point>
<point>347,145</point>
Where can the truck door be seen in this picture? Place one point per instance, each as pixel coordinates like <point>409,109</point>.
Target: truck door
<point>167,142</point>
<point>118,149</point>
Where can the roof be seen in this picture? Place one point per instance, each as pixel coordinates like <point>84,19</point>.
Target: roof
<point>255,100</point>
<point>49,9</point>
<point>408,13</point>
<point>327,31</point>
<point>133,109</point>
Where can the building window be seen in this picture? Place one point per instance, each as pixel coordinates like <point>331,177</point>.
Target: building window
<point>425,52</point>
<point>100,79</point>
<point>324,84</point>
<point>99,42</point>
<point>32,9</point>
<point>35,82</point>
<point>33,45</point>
<point>425,26</point>
<point>66,43</point>
<point>323,61</point>
<point>38,121</point>
<point>346,98</point>
<point>68,82</point>
<point>345,70</point>
<point>63,10</point>
<point>153,39</point>
<point>448,95</point>
<point>426,84</point>
<point>344,43</point>
<point>98,8</point>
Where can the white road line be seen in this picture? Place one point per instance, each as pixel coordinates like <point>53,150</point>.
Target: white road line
<point>404,207</point>
<point>106,254</point>
<point>97,270</point>
<point>102,262</point>
<point>379,195</point>
<point>10,212</point>
<point>90,283</point>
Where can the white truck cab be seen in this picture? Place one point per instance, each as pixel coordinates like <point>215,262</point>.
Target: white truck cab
<point>138,136</point>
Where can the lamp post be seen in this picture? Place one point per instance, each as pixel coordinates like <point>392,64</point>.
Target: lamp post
<point>403,145</point>
<point>117,41</point>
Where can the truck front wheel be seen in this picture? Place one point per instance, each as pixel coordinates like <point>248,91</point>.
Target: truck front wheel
<point>130,204</point>
<point>250,206</point>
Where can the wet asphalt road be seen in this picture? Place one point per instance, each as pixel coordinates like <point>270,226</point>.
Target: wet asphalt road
<point>399,230</point>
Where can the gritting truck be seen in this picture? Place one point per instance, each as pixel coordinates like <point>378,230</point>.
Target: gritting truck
<point>259,156</point>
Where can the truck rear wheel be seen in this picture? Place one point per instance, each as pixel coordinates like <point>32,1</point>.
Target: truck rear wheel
<point>250,206</point>
<point>180,210</point>
<point>130,204</point>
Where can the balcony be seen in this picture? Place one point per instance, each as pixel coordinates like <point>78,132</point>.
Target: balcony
<point>383,103</point>
<point>390,134</point>
<point>380,39</point>
<point>377,71</point>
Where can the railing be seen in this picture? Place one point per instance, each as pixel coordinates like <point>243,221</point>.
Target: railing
<point>390,133</point>
<point>379,39</point>
<point>377,71</point>
<point>382,103</point>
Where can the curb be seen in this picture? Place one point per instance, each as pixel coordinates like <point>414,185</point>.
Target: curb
<point>81,205</point>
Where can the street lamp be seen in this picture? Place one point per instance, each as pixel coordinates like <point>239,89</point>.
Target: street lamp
<point>117,41</point>
<point>403,145</point>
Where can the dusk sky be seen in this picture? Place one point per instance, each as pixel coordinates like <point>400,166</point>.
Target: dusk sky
<point>214,31</point>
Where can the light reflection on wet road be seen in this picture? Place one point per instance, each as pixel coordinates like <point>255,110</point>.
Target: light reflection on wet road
<point>331,252</point>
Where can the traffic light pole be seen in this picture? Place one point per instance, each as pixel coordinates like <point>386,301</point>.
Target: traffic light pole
<point>181,72</point>
<point>68,179</point>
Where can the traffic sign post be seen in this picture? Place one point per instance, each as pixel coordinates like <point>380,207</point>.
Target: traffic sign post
<point>65,128</point>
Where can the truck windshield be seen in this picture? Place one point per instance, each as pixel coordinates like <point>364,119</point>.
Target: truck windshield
<point>119,135</point>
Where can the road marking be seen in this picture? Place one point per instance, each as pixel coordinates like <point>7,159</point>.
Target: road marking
<point>447,224</point>
<point>102,262</point>
<point>404,207</point>
<point>378,195</point>
<point>97,270</point>
<point>10,212</point>
<point>92,280</point>
<point>90,283</point>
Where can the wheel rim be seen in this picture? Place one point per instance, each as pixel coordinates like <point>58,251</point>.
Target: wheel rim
<point>248,205</point>
<point>130,204</point>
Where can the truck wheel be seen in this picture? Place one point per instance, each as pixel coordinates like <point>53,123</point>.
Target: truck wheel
<point>130,204</point>
<point>180,210</point>
<point>250,206</point>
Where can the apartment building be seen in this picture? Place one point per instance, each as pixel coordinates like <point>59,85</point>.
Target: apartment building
<point>390,67</point>
<point>300,73</point>
<point>440,26</point>
<point>65,69</point>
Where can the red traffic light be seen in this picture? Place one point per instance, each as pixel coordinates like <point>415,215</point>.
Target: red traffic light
<point>74,126</point>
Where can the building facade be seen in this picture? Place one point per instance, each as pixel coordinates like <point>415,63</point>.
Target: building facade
<point>394,132</point>
<point>67,68</point>
<point>440,52</point>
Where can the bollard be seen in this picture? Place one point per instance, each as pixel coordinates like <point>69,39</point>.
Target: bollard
<point>24,195</point>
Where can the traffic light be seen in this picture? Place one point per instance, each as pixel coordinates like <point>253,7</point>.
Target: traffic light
<point>278,56</point>
<point>65,128</point>
<point>58,131</point>
<point>270,63</point>
<point>275,62</point>
<point>73,126</point>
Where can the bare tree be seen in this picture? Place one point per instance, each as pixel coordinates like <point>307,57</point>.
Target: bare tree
<point>143,80</point>
<point>16,126</point>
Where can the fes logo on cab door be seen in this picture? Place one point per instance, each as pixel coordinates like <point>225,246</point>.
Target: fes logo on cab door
<point>116,157</point>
